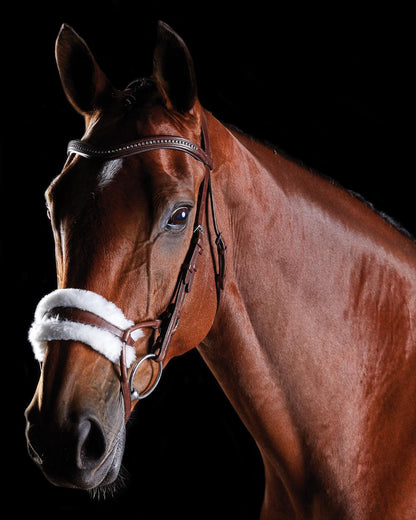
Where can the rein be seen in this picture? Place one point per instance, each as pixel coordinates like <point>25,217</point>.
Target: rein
<point>166,325</point>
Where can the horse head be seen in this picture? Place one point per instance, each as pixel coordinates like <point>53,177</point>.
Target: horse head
<point>123,225</point>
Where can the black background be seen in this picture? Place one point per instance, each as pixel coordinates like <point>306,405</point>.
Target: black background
<point>329,85</point>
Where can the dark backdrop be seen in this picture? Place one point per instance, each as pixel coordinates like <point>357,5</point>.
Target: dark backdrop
<point>330,86</point>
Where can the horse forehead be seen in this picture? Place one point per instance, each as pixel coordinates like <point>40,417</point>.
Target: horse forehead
<point>162,165</point>
<point>150,177</point>
<point>165,168</point>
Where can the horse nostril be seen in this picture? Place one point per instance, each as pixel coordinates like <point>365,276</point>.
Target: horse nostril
<point>91,444</point>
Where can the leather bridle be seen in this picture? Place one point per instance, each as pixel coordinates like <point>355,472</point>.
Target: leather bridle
<point>166,325</point>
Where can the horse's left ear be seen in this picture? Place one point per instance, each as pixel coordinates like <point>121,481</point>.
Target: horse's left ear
<point>85,84</point>
<point>173,70</point>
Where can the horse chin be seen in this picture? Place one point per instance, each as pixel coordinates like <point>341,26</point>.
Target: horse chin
<point>111,486</point>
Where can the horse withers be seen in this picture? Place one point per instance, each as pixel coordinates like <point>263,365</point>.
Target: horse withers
<point>310,329</point>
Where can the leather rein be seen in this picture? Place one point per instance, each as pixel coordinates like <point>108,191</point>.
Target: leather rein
<point>166,325</point>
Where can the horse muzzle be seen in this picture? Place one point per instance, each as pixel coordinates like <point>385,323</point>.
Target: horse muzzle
<point>76,421</point>
<point>79,455</point>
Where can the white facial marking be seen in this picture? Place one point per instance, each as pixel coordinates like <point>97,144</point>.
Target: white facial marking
<point>109,171</point>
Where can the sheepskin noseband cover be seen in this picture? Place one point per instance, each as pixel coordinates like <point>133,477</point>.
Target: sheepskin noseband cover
<point>46,328</point>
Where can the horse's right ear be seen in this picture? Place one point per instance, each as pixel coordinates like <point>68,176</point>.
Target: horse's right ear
<point>173,70</point>
<point>84,83</point>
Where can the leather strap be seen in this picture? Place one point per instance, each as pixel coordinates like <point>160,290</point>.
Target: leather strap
<point>169,142</point>
<point>86,318</point>
<point>171,317</point>
<point>89,318</point>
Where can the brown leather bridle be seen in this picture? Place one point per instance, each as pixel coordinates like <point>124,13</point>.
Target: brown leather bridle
<point>166,325</point>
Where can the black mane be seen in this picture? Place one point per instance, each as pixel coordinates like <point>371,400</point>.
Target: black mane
<point>394,223</point>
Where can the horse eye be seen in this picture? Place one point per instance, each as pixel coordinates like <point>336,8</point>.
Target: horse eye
<point>178,218</point>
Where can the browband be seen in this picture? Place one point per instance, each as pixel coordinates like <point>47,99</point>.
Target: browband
<point>142,145</point>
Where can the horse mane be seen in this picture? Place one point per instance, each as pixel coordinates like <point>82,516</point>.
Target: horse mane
<point>277,150</point>
<point>393,222</point>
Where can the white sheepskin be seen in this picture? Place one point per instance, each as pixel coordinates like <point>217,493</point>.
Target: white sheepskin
<point>46,329</point>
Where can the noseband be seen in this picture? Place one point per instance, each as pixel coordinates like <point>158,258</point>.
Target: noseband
<point>166,325</point>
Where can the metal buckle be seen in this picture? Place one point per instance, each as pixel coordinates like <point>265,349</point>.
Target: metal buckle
<point>199,228</point>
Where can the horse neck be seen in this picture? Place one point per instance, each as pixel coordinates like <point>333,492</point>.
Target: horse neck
<point>296,255</point>
<point>237,349</point>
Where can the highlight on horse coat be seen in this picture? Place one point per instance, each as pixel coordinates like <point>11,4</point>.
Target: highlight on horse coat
<point>174,231</point>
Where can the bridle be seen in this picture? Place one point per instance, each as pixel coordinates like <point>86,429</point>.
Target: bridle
<point>165,326</point>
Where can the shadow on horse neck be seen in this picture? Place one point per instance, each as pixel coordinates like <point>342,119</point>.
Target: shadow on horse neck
<point>313,337</point>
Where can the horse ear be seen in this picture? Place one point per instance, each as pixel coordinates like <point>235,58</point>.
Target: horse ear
<point>173,70</point>
<point>84,83</point>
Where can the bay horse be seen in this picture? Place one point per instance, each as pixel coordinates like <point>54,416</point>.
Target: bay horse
<point>174,231</point>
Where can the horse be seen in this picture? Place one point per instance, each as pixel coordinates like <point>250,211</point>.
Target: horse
<point>174,231</point>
